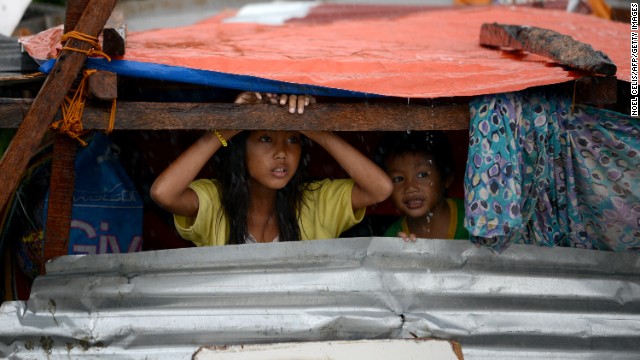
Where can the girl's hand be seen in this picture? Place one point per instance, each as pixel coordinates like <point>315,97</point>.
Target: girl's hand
<point>372,184</point>
<point>248,97</point>
<point>295,102</point>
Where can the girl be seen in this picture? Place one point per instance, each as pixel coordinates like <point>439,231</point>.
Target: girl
<point>421,168</point>
<point>260,195</point>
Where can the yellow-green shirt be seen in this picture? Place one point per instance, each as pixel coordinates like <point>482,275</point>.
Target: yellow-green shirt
<point>326,213</point>
<point>456,222</point>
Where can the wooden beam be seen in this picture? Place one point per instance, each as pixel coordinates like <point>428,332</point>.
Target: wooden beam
<point>560,48</point>
<point>48,100</point>
<point>103,85</point>
<point>13,111</point>
<point>597,90</point>
<point>113,34</point>
<point>61,186</point>
<point>73,13</point>
<point>319,116</point>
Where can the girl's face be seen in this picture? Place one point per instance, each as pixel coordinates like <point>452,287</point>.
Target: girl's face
<point>417,185</point>
<point>273,157</point>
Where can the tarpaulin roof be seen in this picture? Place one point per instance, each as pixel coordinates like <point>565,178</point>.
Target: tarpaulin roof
<point>425,54</point>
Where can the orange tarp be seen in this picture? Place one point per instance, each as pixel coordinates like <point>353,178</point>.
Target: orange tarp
<point>427,54</point>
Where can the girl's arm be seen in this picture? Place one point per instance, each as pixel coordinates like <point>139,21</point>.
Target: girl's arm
<point>171,189</point>
<point>372,184</point>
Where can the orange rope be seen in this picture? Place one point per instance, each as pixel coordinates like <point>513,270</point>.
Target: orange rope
<point>95,50</point>
<point>73,107</point>
<point>112,117</point>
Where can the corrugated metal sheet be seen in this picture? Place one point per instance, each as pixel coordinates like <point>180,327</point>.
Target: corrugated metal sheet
<point>12,59</point>
<point>527,302</point>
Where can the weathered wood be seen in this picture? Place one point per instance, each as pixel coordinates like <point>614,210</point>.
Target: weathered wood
<point>62,180</point>
<point>114,35</point>
<point>73,13</point>
<point>61,186</point>
<point>553,45</point>
<point>103,85</point>
<point>48,100</point>
<point>597,90</point>
<point>319,116</point>
<point>13,111</point>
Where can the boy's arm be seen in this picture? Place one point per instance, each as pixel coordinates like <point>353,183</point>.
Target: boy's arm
<point>372,184</point>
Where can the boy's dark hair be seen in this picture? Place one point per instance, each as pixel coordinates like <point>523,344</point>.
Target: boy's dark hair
<point>432,142</point>
<point>233,177</point>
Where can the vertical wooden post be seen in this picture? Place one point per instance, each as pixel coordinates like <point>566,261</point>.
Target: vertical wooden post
<point>56,241</point>
<point>61,186</point>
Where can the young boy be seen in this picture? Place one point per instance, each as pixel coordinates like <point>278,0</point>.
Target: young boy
<point>421,168</point>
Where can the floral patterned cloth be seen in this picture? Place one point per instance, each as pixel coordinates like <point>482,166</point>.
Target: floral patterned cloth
<point>539,174</point>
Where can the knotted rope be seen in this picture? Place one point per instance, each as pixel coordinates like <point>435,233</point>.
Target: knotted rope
<point>95,50</point>
<point>73,105</point>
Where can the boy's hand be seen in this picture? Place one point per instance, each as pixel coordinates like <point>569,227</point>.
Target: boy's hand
<point>410,237</point>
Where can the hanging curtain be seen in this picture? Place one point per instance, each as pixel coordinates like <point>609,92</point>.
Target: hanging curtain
<point>539,174</point>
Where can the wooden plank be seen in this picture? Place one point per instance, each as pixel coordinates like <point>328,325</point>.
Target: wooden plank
<point>13,111</point>
<point>319,116</point>
<point>560,48</point>
<point>103,85</point>
<point>48,100</point>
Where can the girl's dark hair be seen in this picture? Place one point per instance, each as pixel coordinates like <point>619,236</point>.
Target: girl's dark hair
<point>233,177</point>
<point>434,143</point>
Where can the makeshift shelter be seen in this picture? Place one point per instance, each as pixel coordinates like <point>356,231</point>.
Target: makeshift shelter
<point>406,70</point>
<point>384,59</point>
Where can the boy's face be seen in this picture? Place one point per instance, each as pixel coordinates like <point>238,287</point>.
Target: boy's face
<point>417,185</point>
